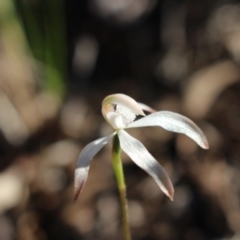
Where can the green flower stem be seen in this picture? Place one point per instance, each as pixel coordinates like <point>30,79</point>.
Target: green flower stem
<point>118,169</point>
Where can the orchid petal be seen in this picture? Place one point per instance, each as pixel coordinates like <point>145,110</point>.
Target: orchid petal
<point>125,101</point>
<point>124,107</point>
<point>173,122</point>
<point>139,154</point>
<point>83,162</point>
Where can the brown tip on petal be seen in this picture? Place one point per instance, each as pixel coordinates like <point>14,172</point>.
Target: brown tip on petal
<point>171,195</point>
<point>169,191</point>
<point>76,196</point>
<point>205,145</point>
<point>77,192</point>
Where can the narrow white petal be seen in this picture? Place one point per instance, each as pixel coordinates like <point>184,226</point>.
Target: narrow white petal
<point>140,155</point>
<point>173,122</point>
<point>83,162</point>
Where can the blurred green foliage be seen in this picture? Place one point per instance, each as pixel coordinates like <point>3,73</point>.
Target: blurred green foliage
<point>42,26</point>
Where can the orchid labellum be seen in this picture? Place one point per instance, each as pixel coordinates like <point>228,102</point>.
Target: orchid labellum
<point>120,111</point>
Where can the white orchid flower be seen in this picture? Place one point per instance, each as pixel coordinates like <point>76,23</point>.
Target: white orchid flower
<point>120,112</point>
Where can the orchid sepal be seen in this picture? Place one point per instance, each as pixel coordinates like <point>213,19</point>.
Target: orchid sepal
<point>141,157</point>
<point>173,122</point>
<point>84,160</point>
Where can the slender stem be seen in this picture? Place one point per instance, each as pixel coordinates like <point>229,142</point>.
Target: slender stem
<point>118,169</point>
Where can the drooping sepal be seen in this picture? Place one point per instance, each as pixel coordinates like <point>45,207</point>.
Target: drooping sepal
<point>83,162</point>
<point>140,156</point>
